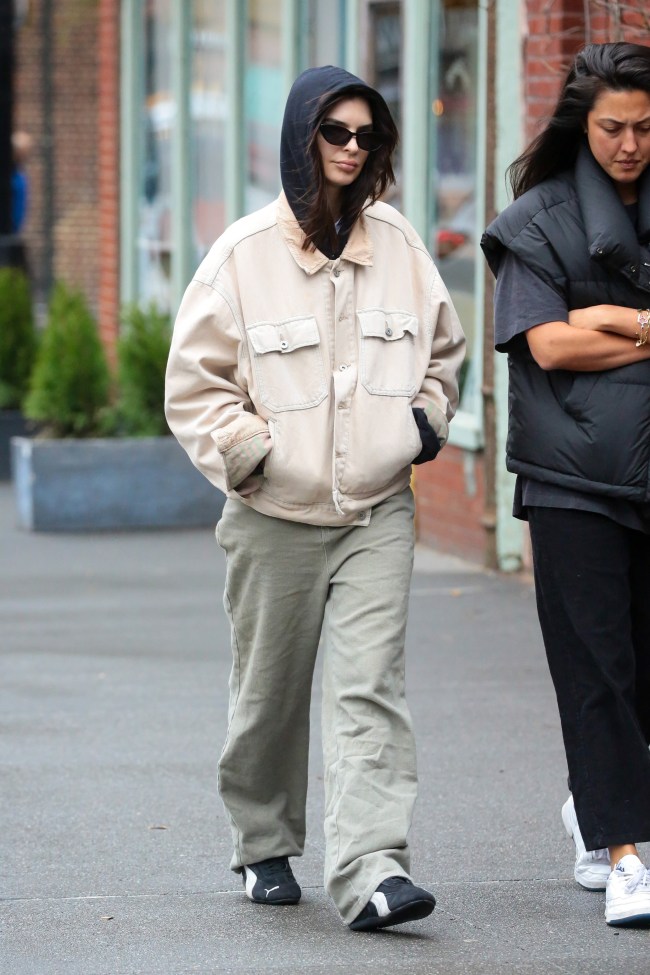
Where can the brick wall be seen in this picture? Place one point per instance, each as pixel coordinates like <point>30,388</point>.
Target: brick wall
<point>450,495</point>
<point>557,30</point>
<point>61,232</point>
<point>28,117</point>
<point>108,171</point>
<point>76,232</point>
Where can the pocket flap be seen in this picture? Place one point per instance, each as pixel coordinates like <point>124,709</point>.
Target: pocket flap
<point>297,333</point>
<point>387,325</point>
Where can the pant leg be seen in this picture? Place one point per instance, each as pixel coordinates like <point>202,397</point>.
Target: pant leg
<point>640,575</point>
<point>369,749</point>
<point>584,564</point>
<point>276,589</point>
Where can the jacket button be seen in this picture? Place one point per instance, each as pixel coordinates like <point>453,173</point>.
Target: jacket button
<point>284,344</point>
<point>633,269</point>
<point>342,367</point>
<point>599,250</point>
<point>389,331</point>
<point>336,272</point>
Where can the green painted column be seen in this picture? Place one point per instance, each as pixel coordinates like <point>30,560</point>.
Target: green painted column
<point>235,142</point>
<point>509,121</point>
<point>290,43</point>
<point>181,171</point>
<point>418,23</point>
<point>351,36</point>
<point>130,145</point>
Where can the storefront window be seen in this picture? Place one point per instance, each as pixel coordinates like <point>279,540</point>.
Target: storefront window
<point>453,153</point>
<point>384,71</point>
<point>208,113</point>
<point>263,101</point>
<point>154,242</point>
<point>322,35</point>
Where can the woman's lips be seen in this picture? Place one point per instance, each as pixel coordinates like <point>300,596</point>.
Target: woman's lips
<point>347,167</point>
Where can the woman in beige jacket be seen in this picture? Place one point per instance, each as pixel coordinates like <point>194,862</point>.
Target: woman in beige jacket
<point>315,358</point>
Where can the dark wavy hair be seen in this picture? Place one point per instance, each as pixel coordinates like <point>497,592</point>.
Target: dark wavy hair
<point>597,68</point>
<point>318,221</point>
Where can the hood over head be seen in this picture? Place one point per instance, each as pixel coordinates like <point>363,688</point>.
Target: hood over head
<point>300,117</point>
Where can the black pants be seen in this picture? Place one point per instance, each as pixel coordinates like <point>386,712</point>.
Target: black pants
<point>592,579</point>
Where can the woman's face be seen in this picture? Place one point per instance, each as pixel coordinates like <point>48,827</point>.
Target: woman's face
<point>618,130</point>
<point>342,164</point>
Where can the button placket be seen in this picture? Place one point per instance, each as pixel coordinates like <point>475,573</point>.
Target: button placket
<point>344,362</point>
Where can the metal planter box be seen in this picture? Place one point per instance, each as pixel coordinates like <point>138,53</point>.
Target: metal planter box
<point>12,424</point>
<point>116,484</point>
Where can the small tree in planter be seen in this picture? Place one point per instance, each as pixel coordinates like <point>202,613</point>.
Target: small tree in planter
<point>142,351</point>
<point>18,342</point>
<point>96,465</point>
<point>69,391</point>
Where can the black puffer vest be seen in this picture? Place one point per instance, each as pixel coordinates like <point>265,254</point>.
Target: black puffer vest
<point>584,430</point>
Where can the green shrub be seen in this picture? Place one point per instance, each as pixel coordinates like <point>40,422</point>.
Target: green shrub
<point>70,385</point>
<point>142,351</point>
<point>17,337</point>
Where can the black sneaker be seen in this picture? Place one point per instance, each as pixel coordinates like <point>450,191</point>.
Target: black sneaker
<point>395,901</point>
<point>271,882</point>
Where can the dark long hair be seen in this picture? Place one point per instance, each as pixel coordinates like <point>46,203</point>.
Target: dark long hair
<point>376,176</point>
<point>597,68</point>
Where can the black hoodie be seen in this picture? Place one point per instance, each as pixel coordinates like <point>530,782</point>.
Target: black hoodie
<point>300,119</point>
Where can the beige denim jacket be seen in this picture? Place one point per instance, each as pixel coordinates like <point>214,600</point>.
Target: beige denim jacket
<point>312,365</point>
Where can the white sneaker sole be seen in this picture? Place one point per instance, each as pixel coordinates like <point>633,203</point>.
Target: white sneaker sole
<point>591,876</point>
<point>625,917</point>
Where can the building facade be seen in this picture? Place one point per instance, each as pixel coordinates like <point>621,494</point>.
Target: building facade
<point>156,123</point>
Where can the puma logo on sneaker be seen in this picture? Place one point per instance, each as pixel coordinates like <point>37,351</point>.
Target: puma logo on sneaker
<point>271,882</point>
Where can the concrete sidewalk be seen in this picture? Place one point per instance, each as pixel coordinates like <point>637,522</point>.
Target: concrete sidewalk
<point>114,848</point>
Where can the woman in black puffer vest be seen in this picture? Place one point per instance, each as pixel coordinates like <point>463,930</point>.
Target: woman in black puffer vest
<point>572,261</point>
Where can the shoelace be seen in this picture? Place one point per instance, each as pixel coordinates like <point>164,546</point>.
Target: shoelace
<point>279,868</point>
<point>640,878</point>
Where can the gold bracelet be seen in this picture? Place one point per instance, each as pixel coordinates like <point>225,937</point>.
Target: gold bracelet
<point>643,321</point>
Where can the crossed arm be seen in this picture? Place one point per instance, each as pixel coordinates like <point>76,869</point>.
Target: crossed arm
<point>595,338</point>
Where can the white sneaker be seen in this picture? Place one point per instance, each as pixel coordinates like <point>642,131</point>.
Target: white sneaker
<point>627,900</point>
<point>592,867</point>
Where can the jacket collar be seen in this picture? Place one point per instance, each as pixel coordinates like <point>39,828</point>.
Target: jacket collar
<point>610,234</point>
<point>358,248</point>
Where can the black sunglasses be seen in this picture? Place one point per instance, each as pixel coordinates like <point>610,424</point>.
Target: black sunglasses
<point>338,135</point>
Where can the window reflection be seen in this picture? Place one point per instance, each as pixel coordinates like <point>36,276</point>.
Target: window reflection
<point>384,73</point>
<point>263,101</point>
<point>322,34</point>
<point>158,119</point>
<point>208,111</point>
<point>453,151</point>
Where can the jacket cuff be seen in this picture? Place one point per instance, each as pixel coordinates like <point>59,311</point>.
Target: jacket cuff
<point>244,450</point>
<point>435,418</point>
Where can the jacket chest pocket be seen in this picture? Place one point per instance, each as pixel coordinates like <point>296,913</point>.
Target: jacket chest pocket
<point>288,363</point>
<point>388,352</point>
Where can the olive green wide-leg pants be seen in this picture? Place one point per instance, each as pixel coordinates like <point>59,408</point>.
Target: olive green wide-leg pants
<point>286,582</point>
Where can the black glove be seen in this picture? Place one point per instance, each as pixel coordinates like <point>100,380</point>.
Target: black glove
<point>428,436</point>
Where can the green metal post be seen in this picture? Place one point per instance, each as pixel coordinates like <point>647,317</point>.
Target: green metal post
<point>130,145</point>
<point>236,14</point>
<point>351,33</point>
<point>290,43</point>
<point>415,125</point>
<point>509,101</point>
<point>181,174</point>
